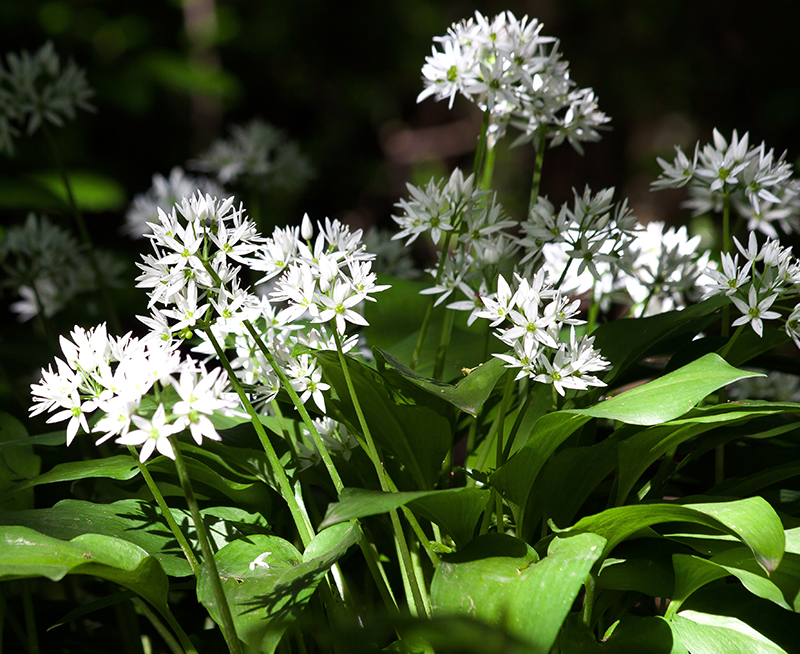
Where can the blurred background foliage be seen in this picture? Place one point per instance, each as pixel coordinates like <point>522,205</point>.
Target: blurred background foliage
<point>341,79</point>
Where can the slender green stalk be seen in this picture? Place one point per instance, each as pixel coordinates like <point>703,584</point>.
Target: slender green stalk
<point>444,343</point>
<point>415,600</point>
<point>162,504</point>
<point>32,639</point>
<point>501,418</point>
<point>373,561</point>
<point>719,452</point>
<point>185,645</point>
<point>588,600</point>
<point>226,619</point>
<point>478,162</point>
<point>537,171</point>
<point>488,167</point>
<point>423,330</point>
<point>301,409</point>
<point>304,528</point>
<point>82,230</point>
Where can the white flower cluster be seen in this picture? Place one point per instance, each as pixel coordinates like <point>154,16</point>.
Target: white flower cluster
<point>758,184</point>
<point>478,223</point>
<point>164,194</point>
<point>35,88</point>
<point>535,315</point>
<point>661,270</point>
<point>48,268</point>
<point>337,439</point>
<point>595,233</point>
<point>767,274</point>
<point>517,75</point>
<point>328,280</point>
<point>257,155</point>
<point>145,390</point>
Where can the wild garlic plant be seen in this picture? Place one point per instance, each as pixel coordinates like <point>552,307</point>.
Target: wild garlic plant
<point>525,441</point>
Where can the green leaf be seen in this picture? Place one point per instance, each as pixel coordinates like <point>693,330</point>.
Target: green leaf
<point>121,467</point>
<point>140,523</point>
<point>752,520</point>
<point>497,578</point>
<point>456,510</point>
<point>468,394</point>
<point>635,635</point>
<point>694,572</point>
<point>704,633</point>
<point>92,191</point>
<point>624,342</point>
<point>417,436</point>
<point>516,478</point>
<point>267,582</point>
<point>17,462</point>
<point>670,396</point>
<point>27,553</point>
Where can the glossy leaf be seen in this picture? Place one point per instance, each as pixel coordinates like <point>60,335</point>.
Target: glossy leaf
<point>25,553</point>
<point>496,578</point>
<point>670,396</point>
<point>456,510</point>
<point>417,436</point>
<point>624,342</point>
<point>468,394</point>
<point>753,521</point>
<point>17,462</point>
<point>267,582</point>
<point>121,467</point>
<point>704,633</point>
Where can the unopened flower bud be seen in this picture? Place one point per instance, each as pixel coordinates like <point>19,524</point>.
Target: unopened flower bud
<point>306,228</point>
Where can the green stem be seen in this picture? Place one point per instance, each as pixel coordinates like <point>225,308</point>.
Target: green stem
<point>30,617</point>
<point>304,528</point>
<point>423,330</point>
<point>83,231</point>
<point>537,173</point>
<point>564,274</point>
<point>719,452</point>
<point>444,343</point>
<point>162,504</point>
<point>588,600</point>
<point>185,645</point>
<point>501,418</point>
<point>415,600</point>
<point>301,409</point>
<point>226,619</point>
<point>488,167</point>
<point>478,162</point>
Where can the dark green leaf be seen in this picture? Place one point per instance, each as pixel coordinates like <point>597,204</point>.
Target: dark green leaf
<point>17,462</point>
<point>704,633</point>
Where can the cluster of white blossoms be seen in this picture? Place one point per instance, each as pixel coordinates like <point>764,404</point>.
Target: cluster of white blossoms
<point>145,390</point>
<point>757,183</point>
<point>768,273</point>
<point>516,74</point>
<point>48,268</point>
<point>338,440</point>
<point>35,88</point>
<point>257,155</point>
<point>164,194</point>
<point>532,318</point>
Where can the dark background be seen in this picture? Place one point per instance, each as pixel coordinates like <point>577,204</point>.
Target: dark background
<point>342,77</point>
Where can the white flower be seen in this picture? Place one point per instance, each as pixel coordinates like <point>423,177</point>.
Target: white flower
<point>152,434</point>
<point>202,393</point>
<point>755,310</point>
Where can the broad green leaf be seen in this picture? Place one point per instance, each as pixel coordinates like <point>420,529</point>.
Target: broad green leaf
<point>25,553</point>
<point>670,396</point>
<point>624,342</point>
<point>267,582</point>
<point>140,523</point>
<point>635,635</point>
<point>643,565</point>
<point>516,478</point>
<point>468,394</point>
<point>121,467</point>
<point>752,520</point>
<point>497,579</point>
<point>694,572</point>
<point>417,436</point>
<point>452,635</point>
<point>704,633</point>
<point>786,577</point>
<point>17,462</point>
<point>457,510</point>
